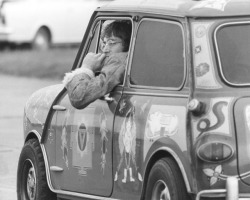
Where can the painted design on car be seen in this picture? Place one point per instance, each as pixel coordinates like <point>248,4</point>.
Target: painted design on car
<point>216,174</point>
<point>204,124</point>
<point>201,69</point>
<point>64,145</point>
<point>204,67</point>
<point>51,135</point>
<point>82,148</point>
<point>127,147</point>
<point>104,139</point>
<point>161,125</point>
<point>215,119</point>
<point>165,121</point>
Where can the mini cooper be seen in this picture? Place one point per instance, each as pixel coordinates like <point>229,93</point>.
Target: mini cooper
<point>177,127</point>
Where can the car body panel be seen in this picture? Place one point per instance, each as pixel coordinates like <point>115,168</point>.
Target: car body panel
<point>37,108</point>
<point>242,121</point>
<point>86,153</point>
<point>188,8</point>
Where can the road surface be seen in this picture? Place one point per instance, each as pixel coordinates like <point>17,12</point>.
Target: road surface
<point>14,92</point>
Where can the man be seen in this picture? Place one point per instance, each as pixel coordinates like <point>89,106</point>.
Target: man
<point>82,85</point>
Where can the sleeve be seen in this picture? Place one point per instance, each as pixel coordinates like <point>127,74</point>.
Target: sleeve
<point>83,88</point>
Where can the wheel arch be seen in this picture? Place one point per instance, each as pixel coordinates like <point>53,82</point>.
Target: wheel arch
<point>35,135</point>
<point>45,27</point>
<point>159,154</point>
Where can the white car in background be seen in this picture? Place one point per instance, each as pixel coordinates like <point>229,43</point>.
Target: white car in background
<point>43,23</point>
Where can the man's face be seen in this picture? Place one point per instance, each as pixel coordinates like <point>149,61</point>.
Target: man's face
<point>112,45</point>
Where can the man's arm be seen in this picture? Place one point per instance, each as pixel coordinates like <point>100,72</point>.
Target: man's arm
<point>84,88</point>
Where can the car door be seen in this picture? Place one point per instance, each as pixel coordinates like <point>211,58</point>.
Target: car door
<point>153,107</point>
<point>84,141</point>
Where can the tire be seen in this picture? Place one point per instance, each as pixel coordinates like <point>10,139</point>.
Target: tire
<point>31,175</point>
<point>165,182</point>
<point>42,40</point>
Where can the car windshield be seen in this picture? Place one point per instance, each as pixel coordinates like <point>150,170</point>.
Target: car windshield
<point>233,42</point>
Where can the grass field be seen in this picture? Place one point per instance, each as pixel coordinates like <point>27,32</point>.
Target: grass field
<point>51,64</point>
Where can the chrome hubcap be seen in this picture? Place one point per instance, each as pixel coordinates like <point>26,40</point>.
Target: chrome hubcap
<point>31,183</point>
<point>161,191</point>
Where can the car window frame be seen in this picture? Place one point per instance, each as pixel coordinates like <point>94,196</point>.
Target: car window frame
<point>218,54</point>
<point>164,20</point>
<point>91,34</point>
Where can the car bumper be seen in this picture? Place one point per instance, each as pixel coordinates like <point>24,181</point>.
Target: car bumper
<point>230,193</point>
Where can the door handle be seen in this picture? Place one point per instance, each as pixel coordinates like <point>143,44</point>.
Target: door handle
<point>196,106</point>
<point>108,99</point>
<point>59,108</point>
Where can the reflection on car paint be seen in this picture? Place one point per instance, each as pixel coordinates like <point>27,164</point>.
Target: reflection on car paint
<point>41,100</point>
<point>205,76</point>
<point>213,4</point>
<point>127,147</point>
<point>247,116</point>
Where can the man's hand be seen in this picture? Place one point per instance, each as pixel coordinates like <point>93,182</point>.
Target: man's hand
<point>93,61</point>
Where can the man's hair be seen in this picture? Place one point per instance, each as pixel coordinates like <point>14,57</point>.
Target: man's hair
<point>121,29</point>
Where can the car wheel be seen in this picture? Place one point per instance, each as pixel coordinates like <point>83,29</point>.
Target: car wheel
<point>31,175</point>
<point>165,182</point>
<point>42,40</point>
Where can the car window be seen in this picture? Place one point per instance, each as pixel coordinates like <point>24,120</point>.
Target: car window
<point>233,41</point>
<point>96,37</point>
<point>158,58</point>
<point>93,43</point>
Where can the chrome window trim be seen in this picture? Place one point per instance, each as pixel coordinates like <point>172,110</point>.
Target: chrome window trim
<point>95,22</point>
<point>171,21</point>
<point>138,93</point>
<point>218,54</point>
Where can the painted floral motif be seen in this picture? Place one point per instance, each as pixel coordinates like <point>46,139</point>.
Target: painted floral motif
<point>217,174</point>
<point>201,69</point>
<point>200,31</point>
<point>214,175</point>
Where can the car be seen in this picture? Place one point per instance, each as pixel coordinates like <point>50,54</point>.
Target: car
<point>177,127</point>
<point>45,23</point>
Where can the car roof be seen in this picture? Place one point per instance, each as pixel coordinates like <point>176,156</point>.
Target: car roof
<point>183,8</point>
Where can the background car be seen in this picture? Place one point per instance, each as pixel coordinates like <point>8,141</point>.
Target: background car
<point>43,23</point>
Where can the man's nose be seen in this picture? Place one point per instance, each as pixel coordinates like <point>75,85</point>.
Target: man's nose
<point>106,49</point>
